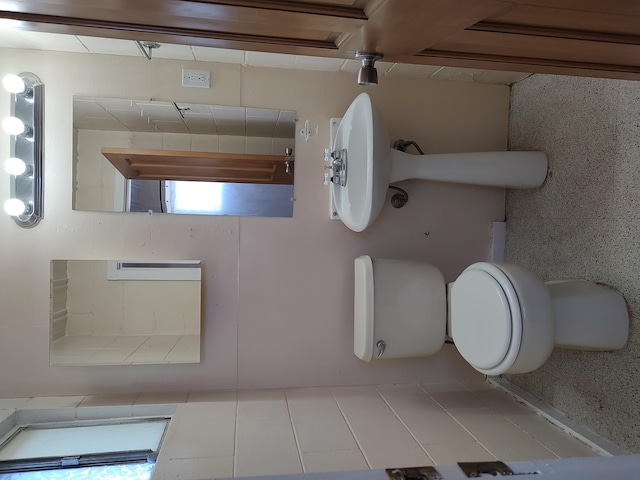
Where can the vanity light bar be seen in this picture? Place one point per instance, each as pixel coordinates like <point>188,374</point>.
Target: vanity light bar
<point>25,165</point>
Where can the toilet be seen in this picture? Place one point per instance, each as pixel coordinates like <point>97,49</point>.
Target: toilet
<point>501,317</point>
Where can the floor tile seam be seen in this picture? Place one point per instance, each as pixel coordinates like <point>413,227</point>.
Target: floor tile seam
<point>457,444</point>
<point>432,397</point>
<point>464,384</point>
<point>235,435</point>
<point>449,409</point>
<point>295,433</point>
<point>35,399</point>
<point>504,417</point>
<point>484,403</point>
<point>174,402</point>
<point>405,426</point>
<point>475,438</point>
<point>203,408</point>
<point>139,347</point>
<point>326,450</point>
<point>196,403</point>
<point>227,440</point>
<point>350,427</point>
<point>496,406</point>
<point>189,394</point>
<point>530,435</point>
<point>196,457</point>
<point>264,421</point>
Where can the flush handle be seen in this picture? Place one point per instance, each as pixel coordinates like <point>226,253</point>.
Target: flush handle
<point>381,346</point>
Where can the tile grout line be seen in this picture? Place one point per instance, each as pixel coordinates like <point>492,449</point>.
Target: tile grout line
<point>397,415</point>
<point>461,425</point>
<point>295,434</point>
<point>508,419</point>
<point>234,466</point>
<point>353,433</point>
<point>535,439</point>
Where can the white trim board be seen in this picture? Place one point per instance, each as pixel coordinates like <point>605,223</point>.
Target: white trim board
<point>498,247</point>
<point>599,444</point>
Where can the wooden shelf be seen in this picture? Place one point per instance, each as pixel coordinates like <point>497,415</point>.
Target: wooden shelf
<point>141,164</point>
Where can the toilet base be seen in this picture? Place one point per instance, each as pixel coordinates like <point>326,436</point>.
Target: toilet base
<point>588,316</point>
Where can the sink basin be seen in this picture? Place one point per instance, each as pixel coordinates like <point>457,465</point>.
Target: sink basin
<point>364,164</point>
<point>368,168</point>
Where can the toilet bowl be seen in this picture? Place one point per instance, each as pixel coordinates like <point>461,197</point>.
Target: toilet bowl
<point>501,317</point>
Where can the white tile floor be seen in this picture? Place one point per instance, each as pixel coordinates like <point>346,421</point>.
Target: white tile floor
<point>353,428</point>
<point>125,349</point>
<point>271,432</point>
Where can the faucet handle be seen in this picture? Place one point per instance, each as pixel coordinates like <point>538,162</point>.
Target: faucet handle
<point>327,155</point>
<point>327,178</point>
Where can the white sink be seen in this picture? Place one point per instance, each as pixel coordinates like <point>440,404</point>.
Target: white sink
<point>367,165</point>
<point>366,140</point>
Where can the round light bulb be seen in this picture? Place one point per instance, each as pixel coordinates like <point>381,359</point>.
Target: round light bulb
<point>13,126</point>
<point>14,207</point>
<point>13,83</point>
<point>15,166</point>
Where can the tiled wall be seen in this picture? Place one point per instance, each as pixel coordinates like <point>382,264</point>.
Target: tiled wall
<point>99,306</point>
<point>245,433</point>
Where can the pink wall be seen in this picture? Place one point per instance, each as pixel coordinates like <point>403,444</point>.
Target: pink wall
<point>277,298</point>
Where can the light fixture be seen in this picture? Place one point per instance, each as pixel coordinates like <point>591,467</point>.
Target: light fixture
<point>368,75</point>
<point>25,125</point>
<point>15,207</point>
<point>13,83</point>
<point>13,126</point>
<point>15,166</point>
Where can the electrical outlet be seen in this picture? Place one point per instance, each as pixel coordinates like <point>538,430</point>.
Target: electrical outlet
<point>196,78</point>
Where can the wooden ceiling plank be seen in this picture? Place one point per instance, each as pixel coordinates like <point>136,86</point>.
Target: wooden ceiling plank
<point>554,32</point>
<point>570,20</point>
<point>618,7</point>
<point>238,41</point>
<point>401,27</point>
<point>240,16</point>
<point>507,44</point>
<point>526,64</point>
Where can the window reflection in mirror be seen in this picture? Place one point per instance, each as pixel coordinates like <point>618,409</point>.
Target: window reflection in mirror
<point>209,198</point>
<point>240,141</point>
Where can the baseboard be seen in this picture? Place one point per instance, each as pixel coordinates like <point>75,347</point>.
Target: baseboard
<point>601,445</point>
<point>498,242</point>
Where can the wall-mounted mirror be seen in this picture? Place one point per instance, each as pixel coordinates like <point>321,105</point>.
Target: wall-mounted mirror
<point>169,157</point>
<point>113,312</point>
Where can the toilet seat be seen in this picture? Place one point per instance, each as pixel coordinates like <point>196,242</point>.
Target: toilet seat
<point>486,319</point>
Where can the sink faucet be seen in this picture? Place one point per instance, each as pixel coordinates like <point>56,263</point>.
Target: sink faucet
<point>338,165</point>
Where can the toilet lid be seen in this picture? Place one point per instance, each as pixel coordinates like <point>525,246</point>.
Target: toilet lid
<point>481,320</point>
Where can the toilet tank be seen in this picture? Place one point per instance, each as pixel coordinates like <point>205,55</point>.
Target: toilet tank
<point>400,303</point>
